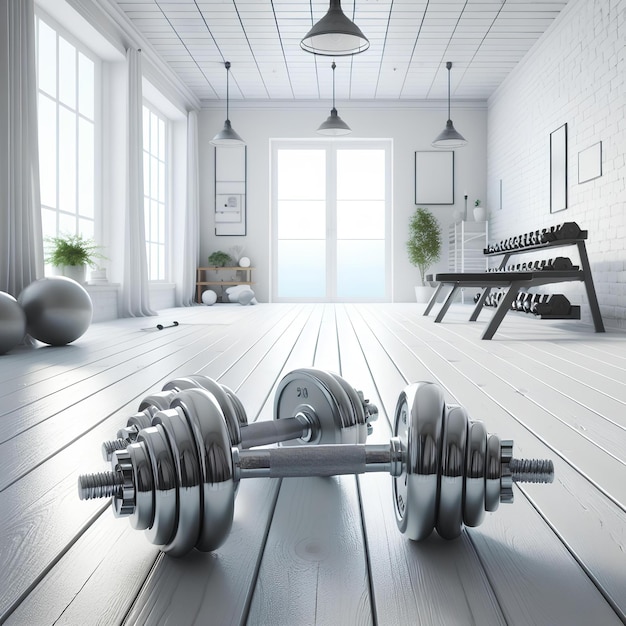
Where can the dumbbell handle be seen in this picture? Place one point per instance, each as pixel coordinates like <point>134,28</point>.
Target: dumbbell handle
<point>273,431</point>
<point>338,459</point>
<point>323,460</point>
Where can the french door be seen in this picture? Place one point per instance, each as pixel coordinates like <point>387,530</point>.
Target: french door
<point>331,221</point>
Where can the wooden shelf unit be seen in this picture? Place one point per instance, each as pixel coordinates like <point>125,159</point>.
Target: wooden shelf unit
<point>203,283</point>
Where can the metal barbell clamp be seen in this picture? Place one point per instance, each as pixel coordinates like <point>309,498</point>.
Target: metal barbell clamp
<point>178,479</point>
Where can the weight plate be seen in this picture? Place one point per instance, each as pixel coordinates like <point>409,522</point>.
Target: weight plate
<point>143,516</point>
<point>319,396</point>
<point>450,514</point>
<point>207,422</point>
<point>231,406</point>
<point>160,400</point>
<point>474,496</point>
<point>492,474</point>
<point>357,409</point>
<point>417,423</point>
<point>188,479</point>
<point>165,492</point>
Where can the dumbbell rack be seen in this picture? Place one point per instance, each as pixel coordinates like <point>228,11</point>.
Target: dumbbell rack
<point>516,281</point>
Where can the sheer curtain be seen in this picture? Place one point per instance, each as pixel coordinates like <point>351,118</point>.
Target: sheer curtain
<point>186,274</point>
<point>21,245</point>
<point>135,294</point>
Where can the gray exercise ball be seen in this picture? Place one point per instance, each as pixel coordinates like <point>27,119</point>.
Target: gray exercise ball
<point>12,322</point>
<point>58,310</point>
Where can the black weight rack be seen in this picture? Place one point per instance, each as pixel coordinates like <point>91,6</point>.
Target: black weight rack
<point>513,282</point>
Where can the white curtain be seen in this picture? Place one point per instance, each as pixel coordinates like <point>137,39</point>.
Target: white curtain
<point>190,216</point>
<point>135,295</point>
<point>21,245</point>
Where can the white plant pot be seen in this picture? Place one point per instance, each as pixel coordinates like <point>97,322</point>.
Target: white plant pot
<point>423,294</point>
<point>75,272</point>
<point>480,214</point>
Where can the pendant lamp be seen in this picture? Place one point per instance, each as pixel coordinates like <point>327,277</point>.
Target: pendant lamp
<point>227,136</point>
<point>449,137</point>
<point>334,125</point>
<point>335,35</point>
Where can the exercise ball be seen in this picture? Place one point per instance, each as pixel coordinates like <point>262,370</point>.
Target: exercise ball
<point>12,322</point>
<point>245,297</point>
<point>58,310</point>
<point>209,297</point>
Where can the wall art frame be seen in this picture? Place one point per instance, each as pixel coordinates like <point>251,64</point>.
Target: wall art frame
<point>230,191</point>
<point>558,169</point>
<point>434,177</point>
<point>590,163</point>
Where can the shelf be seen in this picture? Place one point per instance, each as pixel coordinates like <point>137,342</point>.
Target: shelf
<point>202,283</point>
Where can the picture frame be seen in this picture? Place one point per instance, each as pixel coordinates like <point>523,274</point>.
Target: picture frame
<point>558,169</point>
<point>590,163</point>
<point>230,191</point>
<point>434,177</point>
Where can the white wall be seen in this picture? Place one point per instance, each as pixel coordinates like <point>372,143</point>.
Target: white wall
<point>575,74</point>
<point>411,128</point>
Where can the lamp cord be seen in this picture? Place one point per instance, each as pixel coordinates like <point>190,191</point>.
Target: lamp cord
<point>333,66</point>
<point>227,65</point>
<point>448,92</point>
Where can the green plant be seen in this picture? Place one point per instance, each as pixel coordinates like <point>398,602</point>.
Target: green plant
<point>424,244</point>
<point>476,202</point>
<point>72,250</point>
<point>219,259</point>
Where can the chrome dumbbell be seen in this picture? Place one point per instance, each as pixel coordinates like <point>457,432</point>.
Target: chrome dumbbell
<point>311,407</point>
<point>178,479</point>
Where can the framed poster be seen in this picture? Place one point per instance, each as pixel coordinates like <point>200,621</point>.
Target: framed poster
<point>590,163</point>
<point>230,190</point>
<point>434,177</point>
<point>558,169</point>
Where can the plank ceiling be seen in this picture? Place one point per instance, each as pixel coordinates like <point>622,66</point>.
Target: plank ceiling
<point>411,40</point>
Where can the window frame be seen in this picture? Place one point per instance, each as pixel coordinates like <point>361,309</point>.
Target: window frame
<point>167,200</point>
<point>96,219</point>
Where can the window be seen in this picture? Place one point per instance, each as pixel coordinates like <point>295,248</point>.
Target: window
<point>155,190</point>
<point>67,76</point>
<point>332,220</point>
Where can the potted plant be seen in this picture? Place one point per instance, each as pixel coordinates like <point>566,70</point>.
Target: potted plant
<point>219,259</point>
<point>424,247</point>
<point>71,254</point>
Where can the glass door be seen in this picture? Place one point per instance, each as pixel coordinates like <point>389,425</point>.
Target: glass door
<point>331,221</point>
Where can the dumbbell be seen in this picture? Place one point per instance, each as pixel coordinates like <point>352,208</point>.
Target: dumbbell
<point>178,480</point>
<point>556,305</point>
<point>311,407</point>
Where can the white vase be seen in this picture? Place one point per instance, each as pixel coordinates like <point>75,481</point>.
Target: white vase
<point>423,293</point>
<point>480,213</point>
<point>75,272</point>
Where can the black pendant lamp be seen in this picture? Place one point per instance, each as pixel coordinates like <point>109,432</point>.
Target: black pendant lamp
<point>335,35</point>
<point>334,125</point>
<point>227,136</point>
<point>449,137</point>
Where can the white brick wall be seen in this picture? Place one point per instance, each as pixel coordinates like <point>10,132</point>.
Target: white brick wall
<point>575,74</point>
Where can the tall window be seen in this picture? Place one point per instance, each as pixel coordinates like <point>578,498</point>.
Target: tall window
<point>332,220</point>
<point>67,134</point>
<point>155,190</point>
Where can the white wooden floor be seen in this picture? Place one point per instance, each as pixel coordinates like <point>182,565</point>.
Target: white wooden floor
<point>320,551</point>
